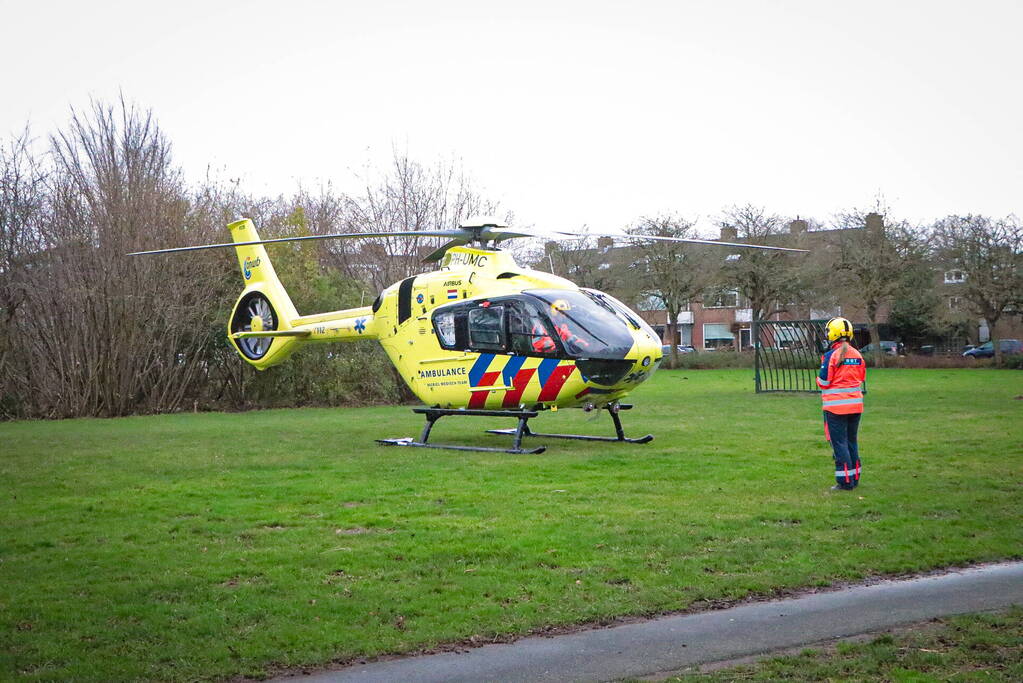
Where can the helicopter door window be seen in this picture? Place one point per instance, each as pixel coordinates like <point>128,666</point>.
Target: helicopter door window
<point>444,323</point>
<point>528,334</point>
<point>486,328</point>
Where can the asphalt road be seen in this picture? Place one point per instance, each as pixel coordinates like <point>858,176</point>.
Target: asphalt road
<point>671,643</point>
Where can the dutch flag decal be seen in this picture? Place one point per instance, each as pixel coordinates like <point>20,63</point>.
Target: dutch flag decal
<point>452,293</point>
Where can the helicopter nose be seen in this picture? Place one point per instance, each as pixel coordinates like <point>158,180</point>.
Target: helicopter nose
<point>646,356</point>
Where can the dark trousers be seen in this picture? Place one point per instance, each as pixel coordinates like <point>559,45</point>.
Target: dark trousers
<point>842,430</point>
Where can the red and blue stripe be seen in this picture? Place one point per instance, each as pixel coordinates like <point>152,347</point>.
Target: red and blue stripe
<point>550,373</point>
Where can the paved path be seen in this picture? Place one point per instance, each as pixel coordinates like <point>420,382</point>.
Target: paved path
<point>672,643</point>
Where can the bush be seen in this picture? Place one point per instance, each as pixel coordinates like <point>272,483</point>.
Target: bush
<point>334,375</point>
<point>710,360</point>
<point>915,361</point>
<point>1014,362</point>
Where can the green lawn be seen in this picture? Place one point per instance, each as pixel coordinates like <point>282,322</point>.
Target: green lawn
<point>212,545</point>
<point>975,647</point>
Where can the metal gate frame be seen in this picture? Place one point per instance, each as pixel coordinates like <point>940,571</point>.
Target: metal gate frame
<point>787,354</point>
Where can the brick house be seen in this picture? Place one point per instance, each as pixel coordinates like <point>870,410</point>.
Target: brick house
<point>723,319</point>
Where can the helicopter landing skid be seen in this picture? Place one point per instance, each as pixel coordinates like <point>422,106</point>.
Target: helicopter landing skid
<point>434,414</point>
<point>612,409</point>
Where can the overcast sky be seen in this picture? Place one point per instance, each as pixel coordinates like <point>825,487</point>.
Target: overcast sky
<point>569,113</point>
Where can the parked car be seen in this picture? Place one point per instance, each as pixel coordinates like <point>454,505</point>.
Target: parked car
<point>890,348</point>
<point>987,349</point>
<point>682,348</point>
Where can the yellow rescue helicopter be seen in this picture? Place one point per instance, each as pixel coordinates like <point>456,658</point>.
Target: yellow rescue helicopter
<point>480,336</point>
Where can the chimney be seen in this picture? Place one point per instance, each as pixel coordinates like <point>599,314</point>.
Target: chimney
<point>798,226</point>
<point>875,222</point>
<point>728,233</point>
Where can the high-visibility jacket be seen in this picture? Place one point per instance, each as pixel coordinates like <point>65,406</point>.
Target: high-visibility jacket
<point>568,336</point>
<point>841,382</point>
<point>542,343</point>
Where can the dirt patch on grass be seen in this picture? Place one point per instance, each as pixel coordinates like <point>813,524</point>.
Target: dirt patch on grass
<point>359,530</point>
<point>236,581</point>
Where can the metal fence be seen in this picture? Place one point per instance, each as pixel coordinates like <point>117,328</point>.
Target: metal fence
<point>788,354</point>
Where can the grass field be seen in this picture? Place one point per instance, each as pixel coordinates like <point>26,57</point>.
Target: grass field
<point>975,647</point>
<point>212,545</point>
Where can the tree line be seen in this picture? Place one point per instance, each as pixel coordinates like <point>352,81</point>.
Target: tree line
<point>88,331</point>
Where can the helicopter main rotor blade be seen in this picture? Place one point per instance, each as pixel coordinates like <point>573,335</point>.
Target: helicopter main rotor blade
<point>438,253</point>
<point>689,240</point>
<point>336,235</point>
<point>487,233</point>
<point>501,234</point>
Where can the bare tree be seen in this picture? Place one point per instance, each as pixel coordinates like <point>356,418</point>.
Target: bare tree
<point>22,211</point>
<point>102,333</point>
<point>674,273</point>
<point>768,279</point>
<point>590,261</point>
<point>876,261</point>
<point>990,253</point>
<point>408,197</point>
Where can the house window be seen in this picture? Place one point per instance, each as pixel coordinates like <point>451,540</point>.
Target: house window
<point>651,302</point>
<point>717,336</point>
<point>954,277</point>
<point>791,337</point>
<point>825,313</point>
<point>954,303</point>
<point>721,298</point>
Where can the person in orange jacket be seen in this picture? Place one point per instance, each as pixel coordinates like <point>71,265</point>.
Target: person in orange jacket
<point>559,316</point>
<point>841,379</point>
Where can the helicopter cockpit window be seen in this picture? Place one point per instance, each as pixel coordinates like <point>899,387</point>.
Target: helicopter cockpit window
<point>585,328</point>
<point>486,328</point>
<point>444,323</point>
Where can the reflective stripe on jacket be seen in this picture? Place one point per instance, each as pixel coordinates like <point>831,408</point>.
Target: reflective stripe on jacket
<point>841,383</point>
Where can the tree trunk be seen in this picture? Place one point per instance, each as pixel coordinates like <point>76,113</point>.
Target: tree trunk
<point>992,320</point>
<point>875,337</point>
<point>672,336</point>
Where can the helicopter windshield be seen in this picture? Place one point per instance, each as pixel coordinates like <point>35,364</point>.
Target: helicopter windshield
<point>623,312</point>
<point>585,328</point>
